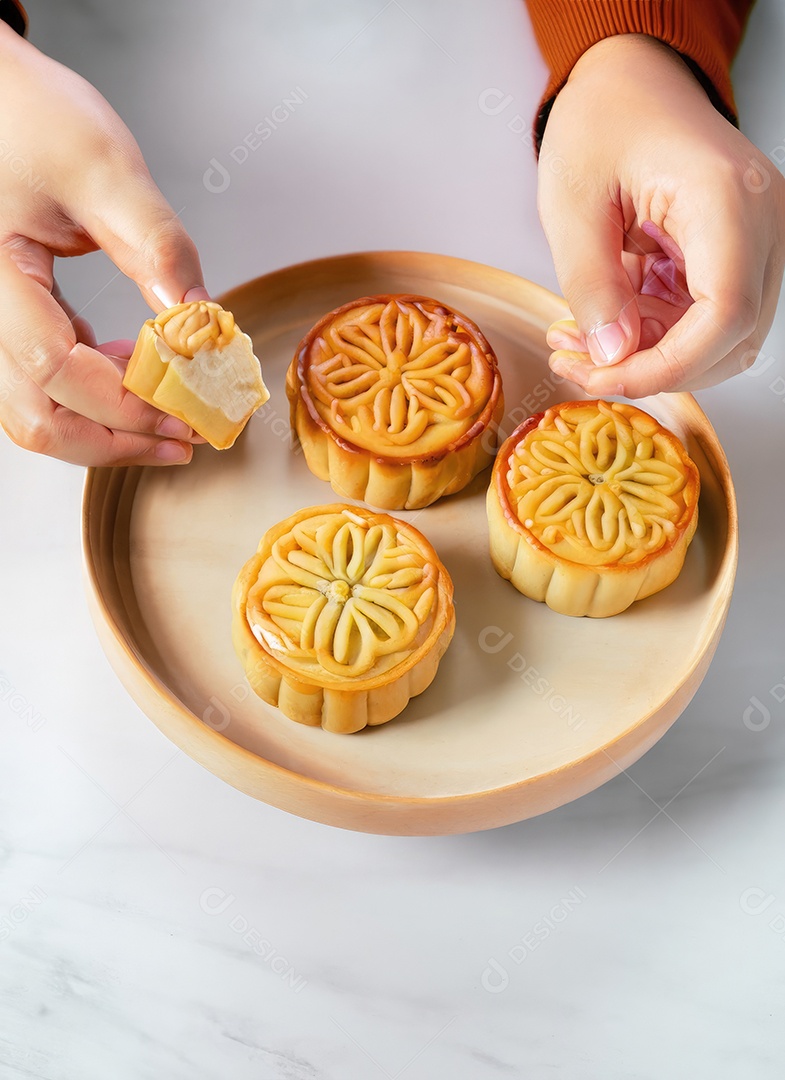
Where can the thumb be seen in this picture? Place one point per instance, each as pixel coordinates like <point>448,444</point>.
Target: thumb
<point>587,254</point>
<point>143,236</point>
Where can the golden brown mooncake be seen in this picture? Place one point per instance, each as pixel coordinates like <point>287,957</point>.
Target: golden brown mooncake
<point>342,616</point>
<point>591,506</point>
<point>396,400</point>
<point>194,362</point>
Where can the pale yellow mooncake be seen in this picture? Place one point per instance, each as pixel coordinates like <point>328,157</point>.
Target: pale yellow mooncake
<point>342,616</point>
<point>396,400</point>
<point>193,362</point>
<point>592,505</point>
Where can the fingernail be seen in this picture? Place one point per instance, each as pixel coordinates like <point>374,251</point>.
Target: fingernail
<point>557,339</point>
<point>197,293</point>
<point>172,452</point>
<point>606,342</point>
<point>118,347</point>
<point>565,334</point>
<point>173,428</point>
<point>670,247</point>
<point>662,281</point>
<point>169,298</point>
<point>568,347</point>
<point>652,331</point>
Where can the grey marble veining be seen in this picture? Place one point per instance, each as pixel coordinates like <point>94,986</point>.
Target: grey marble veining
<point>155,923</point>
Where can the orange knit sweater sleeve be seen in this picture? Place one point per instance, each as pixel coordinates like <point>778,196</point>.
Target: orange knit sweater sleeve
<point>706,33</point>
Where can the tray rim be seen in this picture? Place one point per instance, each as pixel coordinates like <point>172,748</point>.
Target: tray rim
<point>417,815</point>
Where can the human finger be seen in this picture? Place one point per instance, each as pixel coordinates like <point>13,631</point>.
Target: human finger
<point>37,336</point>
<point>35,422</point>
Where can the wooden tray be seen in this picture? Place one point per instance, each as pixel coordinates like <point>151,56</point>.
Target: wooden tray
<point>530,709</point>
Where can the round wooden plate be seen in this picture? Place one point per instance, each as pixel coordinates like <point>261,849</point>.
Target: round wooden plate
<point>529,710</point>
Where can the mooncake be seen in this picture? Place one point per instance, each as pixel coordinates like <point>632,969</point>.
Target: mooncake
<point>396,400</point>
<point>194,362</point>
<point>591,506</point>
<point>342,616</point>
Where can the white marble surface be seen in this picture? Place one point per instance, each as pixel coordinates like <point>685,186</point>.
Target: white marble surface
<point>638,933</point>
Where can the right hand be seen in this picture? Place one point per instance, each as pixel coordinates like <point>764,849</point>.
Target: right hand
<point>72,180</point>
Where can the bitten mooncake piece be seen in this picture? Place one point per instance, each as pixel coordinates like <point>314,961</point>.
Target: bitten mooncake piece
<point>342,616</point>
<point>194,362</point>
<point>592,505</point>
<point>396,400</point>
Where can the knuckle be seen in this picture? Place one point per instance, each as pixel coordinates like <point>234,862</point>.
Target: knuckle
<point>169,246</point>
<point>101,133</point>
<point>728,171</point>
<point>31,430</point>
<point>138,416</point>
<point>739,315</point>
<point>748,358</point>
<point>673,372</point>
<point>44,358</point>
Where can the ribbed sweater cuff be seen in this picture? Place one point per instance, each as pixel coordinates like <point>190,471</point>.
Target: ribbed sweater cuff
<point>706,35</point>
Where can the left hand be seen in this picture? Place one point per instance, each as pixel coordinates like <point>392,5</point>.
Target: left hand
<point>667,226</point>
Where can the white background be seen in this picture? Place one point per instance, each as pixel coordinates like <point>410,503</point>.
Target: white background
<point>671,961</point>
